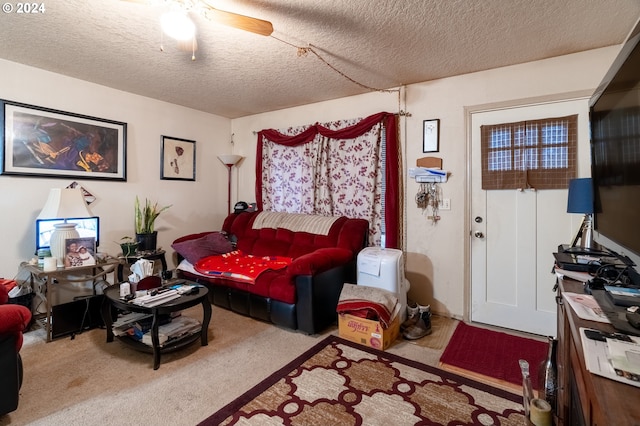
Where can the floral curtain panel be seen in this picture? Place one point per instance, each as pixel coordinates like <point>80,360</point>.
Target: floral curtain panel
<point>334,169</point>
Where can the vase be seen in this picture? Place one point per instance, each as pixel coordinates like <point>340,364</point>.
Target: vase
<point>548,375</point>
<point>129,249</point>
<point>147,242</point>
<point>58,242</point>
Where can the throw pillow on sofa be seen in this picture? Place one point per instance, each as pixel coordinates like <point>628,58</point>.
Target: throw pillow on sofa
<point>199,248</point>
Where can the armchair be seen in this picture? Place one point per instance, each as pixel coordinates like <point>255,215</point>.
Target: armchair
<point>14,319</point>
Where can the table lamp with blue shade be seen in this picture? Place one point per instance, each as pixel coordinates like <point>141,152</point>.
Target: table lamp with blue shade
<point>580,200</point>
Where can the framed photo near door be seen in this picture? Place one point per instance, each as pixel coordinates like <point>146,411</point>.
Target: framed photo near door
<point>431,135</point>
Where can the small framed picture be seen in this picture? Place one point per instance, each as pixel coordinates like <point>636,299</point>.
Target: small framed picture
<point>431,135</point>
<point>178,159</point>
<point>80,252</point>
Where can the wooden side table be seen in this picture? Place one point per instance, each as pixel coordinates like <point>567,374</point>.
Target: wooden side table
<point>130,260</point>
<point>77,274</point>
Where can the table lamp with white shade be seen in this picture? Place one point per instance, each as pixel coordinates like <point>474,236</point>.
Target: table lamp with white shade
<point>64,203</point>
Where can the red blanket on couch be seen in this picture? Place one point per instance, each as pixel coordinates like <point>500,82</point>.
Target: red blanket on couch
<point>238,266</point>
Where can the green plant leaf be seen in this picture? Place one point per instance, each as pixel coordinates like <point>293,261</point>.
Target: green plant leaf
<point>146,216</point>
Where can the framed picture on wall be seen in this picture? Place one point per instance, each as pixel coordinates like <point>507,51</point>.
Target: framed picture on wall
<point>178,159</point>
<point>45,142</point>
<point>431,135</point>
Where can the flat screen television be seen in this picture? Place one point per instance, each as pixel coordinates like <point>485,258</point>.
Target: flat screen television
<point>86,226</point>
<point>615,153</point>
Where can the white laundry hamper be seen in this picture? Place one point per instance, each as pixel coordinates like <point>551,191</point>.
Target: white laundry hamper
<point>384,268</point>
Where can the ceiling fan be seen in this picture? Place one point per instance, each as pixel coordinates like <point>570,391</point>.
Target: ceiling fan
<point>230,19</point>
<point>242,22</point>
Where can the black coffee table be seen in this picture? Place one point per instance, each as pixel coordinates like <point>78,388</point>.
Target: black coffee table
<point>112,299</point>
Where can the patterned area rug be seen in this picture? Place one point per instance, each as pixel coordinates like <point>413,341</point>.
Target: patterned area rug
<point>341,383</point>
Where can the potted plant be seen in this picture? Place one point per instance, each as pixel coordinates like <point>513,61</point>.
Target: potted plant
<point>128,245</point>
<point>145,217</point>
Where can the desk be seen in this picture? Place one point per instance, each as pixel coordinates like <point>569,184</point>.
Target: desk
<point>585,398</point>
<point>130,260</point>
<point>79,274</point>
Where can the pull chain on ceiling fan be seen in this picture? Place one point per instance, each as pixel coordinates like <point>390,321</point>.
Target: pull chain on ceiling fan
<point>245,23</point>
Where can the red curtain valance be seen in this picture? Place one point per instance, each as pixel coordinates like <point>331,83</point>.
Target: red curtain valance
<point>307,136</point>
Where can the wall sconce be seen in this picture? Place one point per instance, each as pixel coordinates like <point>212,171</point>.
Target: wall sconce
<point>229,160</point>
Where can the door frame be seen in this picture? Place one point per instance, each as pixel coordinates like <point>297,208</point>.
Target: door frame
<point>493,106</point>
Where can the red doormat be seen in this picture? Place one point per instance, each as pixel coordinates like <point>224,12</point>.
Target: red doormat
<point>493,354</point>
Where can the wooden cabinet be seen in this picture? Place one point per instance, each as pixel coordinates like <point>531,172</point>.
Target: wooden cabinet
<point>585,398</point>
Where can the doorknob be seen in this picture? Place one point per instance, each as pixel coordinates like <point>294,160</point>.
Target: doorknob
<point>478,234</point>
<point>478,219</point>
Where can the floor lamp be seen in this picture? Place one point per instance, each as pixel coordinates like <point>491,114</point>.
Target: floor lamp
<point>580,200</point>
<point>229,160</point>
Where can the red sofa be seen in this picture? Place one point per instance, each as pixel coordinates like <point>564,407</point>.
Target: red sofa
<point>14,320</point>
<point>304,295</point>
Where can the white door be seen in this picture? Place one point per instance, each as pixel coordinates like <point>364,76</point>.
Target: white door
<point>515,232</point>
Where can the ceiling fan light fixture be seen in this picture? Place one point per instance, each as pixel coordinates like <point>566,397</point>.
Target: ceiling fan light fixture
<point>177,25</point>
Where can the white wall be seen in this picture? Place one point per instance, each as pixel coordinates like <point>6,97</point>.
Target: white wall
<point>435,253</point>
<point>436,262</point>
<point>197,206</point>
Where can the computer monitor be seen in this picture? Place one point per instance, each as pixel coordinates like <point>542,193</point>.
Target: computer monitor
<point>86,226</point>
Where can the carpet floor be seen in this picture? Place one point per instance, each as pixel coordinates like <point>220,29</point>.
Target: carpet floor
<point>492,356</point>
<point>338,382</point>
<point>85,380</point>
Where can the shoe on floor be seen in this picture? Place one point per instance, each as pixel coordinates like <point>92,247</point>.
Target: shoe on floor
<point>422,327</point>
<point>413,312</point>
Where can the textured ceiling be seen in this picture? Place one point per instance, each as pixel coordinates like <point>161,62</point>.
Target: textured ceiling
<point>377,43</point>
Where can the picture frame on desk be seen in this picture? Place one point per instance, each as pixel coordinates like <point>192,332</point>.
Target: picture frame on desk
<point>80,252</point>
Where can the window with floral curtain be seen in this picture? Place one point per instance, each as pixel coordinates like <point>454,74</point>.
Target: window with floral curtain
<point>335,169</point>
<point>540,154</point>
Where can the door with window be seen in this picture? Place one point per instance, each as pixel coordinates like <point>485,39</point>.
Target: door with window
<point>515,229</point>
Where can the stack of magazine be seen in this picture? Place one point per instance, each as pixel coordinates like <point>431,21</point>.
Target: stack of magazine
<point>156,298</point>
<point>137,326</point>
<point>177,328</point>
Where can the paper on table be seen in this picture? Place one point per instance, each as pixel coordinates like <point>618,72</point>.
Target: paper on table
<point>596,358</point>
<point>624,356</point>
<point>574,275</point>
<point>586,307</point>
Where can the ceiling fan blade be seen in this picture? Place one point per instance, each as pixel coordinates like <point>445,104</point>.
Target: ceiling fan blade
<point>230,19</point>
<point>246,23</point>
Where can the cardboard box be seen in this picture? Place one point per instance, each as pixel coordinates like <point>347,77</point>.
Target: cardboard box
<point>367,332</point>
